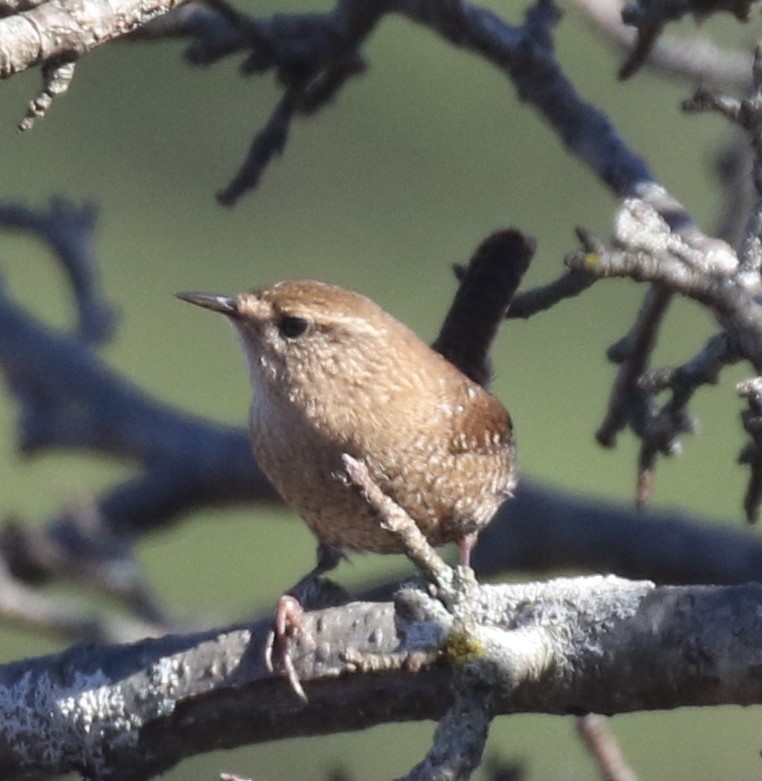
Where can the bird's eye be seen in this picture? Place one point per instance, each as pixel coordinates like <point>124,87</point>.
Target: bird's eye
<point>291,327</point>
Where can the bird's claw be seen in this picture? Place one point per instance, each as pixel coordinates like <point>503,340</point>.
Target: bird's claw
<point>285,624</point>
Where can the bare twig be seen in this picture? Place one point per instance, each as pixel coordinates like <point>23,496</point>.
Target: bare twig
<point>665,425</point>
<point>695,59</point>
<point>69,231</point>
<point>695,266</point>
<point>570,284</point>
<point>627,404</point>
<point>49,614</point>
<point>649,18</point>
<point>603,747</point>
<point>314,54</point>
<point>733,164</point>
<point>269,142</point>
<point>395,520</point>
<point>746,113</point>
<point>752,454</point>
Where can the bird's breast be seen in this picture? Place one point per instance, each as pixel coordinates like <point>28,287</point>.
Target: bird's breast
<point>448,493</point>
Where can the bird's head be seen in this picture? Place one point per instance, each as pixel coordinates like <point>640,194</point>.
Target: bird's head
<point>305,332</point>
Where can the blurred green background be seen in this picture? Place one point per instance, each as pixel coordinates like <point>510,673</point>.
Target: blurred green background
<point>415,163</point>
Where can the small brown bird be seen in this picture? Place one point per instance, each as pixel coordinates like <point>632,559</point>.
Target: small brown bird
<point>333,374</point>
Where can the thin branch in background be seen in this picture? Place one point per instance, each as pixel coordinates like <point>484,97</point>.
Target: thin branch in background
<point>665,424</point>
<point>736,306</point>
<point>310,46</point>
<point>327,85</point>
<point>751,455</point>
<point>314,54</point>
<point>691,264</point>
<point>694,59</point>
<point>530,302</point>
<point>602,745</point>
<point>570,284</point>
<point>627,405</point>
<point>85,551</point>
<point>268,143</point>
<point>747,113</point>
<point>732,164</point>
<point>649,18</point>
<point>630,404</point>
<point>53,615</point>
<point>69,231</point>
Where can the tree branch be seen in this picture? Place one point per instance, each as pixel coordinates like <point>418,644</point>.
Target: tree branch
<point>110,710</point>
<point>649,19</point>
<point>60,30</point>
<point>694,59</point>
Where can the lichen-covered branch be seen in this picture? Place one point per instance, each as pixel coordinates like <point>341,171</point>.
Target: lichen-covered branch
<point>110,710</point>
<point>58,30</point>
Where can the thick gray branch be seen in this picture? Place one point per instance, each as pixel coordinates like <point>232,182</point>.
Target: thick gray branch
<point>567,646</point>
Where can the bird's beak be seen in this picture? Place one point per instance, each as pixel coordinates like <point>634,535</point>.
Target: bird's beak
<point>226,305</point>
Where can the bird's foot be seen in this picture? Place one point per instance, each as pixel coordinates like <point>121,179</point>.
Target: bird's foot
<point>286,624</point>
<point>312,592</point>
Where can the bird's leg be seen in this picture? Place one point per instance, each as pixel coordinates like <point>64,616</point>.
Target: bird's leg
<point>465,546</point>
<point>310,592</point>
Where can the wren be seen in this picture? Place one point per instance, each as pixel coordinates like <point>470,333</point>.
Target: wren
<point>333,373</point>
